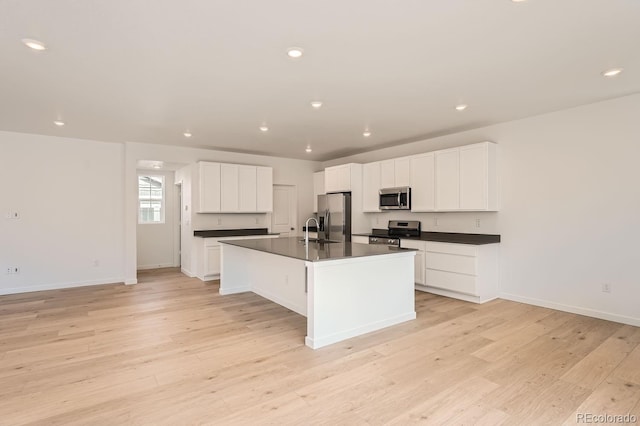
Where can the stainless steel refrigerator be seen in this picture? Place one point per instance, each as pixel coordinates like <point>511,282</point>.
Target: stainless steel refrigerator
<point>334,217</point>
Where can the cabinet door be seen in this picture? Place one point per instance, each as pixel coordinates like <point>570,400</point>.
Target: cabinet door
<point>419,268</point>
<point>370,187</point>
<point>265,189</point>
<point>448,179</point>
<point>337,178</point>
<point>212,260</point>
<point>422,182</point>
<point>318,188</point>
<point>387,174</point>
<point>473,177</point>
<point>247,188</point>
<point>402,167</point>
<point>209,187</point>
<point>229,188</point>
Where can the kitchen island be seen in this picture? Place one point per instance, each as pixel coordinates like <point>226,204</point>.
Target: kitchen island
<point>344,289</point>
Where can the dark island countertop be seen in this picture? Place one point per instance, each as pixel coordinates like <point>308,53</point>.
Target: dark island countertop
<point>295,248</point>
<point>213,233</point>
<point>441,237</point>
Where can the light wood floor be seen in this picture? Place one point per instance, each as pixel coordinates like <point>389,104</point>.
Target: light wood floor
<point>171,350</point>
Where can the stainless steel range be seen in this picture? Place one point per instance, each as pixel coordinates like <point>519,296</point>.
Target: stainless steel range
<point>397,229</point>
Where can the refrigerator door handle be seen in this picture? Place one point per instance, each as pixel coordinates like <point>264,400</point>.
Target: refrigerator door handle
<point>327,226</point>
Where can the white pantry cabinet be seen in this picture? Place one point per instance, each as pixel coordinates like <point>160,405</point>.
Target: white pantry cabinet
<point>423,182</point>
<point>235,188</point>
<point>463,271</point>
<point>341,178</point>
<point>318,188</point>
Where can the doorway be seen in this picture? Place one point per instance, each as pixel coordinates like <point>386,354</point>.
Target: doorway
<point>285,210</point>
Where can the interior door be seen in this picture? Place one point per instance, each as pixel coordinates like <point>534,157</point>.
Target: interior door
<point>283,218</point>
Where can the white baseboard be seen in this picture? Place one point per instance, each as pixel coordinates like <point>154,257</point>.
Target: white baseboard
<point>573,309</point>
<point>156,266</point>
<point>234,290</point>
<point>187,272</point>
<point>321,341</point>
<point>58,286</point>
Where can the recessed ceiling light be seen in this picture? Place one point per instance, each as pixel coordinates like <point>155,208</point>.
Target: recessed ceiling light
<point>295,52</point>
<point>264,128</point>
<point>316,104</point>
<point>157,166</point>
<point>366,133</point>
<point>34,44</point>
<point>187,134</point>
<point>612,72</point>
<point>308,149</point>
<point>461,107</point>
<point>518,1</point>
<point>59,123</point>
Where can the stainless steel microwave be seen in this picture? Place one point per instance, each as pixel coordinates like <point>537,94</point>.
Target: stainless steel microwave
<point>395,198</point>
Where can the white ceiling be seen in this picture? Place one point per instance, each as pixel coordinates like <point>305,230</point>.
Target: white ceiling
<point>149,70</point>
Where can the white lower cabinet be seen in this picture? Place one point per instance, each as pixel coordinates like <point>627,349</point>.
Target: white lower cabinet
<point>419,266</point>
<point>360,239</point>
<point>209,255</point>
<point>462,271</point>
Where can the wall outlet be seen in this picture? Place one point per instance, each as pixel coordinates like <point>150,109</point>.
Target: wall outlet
<point>219,221</point>
<point>606,288</point>
<point>12,215</point>
<point>13,270</point>
<point>435,221</point>
<point>477,223</point>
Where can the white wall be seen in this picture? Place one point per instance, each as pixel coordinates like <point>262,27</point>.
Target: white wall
<point>570,203</point>
<point>69,195</point>
<point>156,242</point>
<point>285,171</point>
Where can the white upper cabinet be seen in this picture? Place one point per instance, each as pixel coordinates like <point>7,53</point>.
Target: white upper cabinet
<point>423,182</point>
<point>387,174</point>
<point>235,188</point>
<point>209,187</point>
<point>370,186</point>
<point>247,188</point>
<point>339,178</point>
<point>402,171</point>
<point>466,178</point>
<point>229,188</point>
<point>448,179</point>
<point>318,188</point>
<point>478,177</point>
<point>264,197</point>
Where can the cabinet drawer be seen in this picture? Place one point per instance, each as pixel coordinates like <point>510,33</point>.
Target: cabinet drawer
<point>461,249</point>
<point>451,281</point>
<point>451,263</point>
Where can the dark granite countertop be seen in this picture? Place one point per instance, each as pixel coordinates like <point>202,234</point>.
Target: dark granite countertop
<point>441,237</point>
<point>295,248</point>
<point>213,233</point>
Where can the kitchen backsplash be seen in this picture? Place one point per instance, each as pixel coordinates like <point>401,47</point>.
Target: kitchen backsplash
<point>466,222</point>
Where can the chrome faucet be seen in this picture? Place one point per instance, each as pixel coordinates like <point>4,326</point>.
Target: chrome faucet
<point>306,229</point>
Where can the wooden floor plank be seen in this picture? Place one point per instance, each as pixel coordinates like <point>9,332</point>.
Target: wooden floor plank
<point>171,350</point>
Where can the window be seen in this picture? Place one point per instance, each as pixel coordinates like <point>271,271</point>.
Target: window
<point>150,199</point>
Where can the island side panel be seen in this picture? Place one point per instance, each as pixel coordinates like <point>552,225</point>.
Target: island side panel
<point>350,297</point>
<point>277,278</point>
